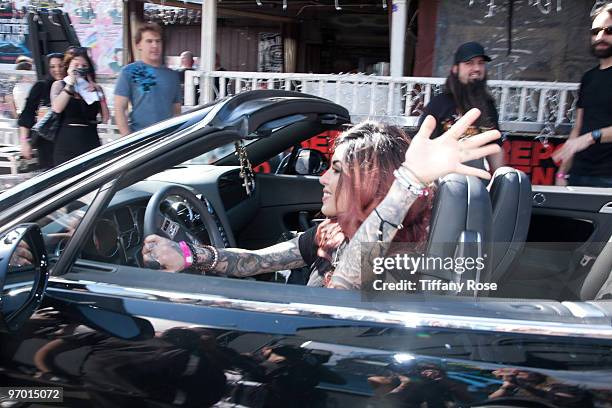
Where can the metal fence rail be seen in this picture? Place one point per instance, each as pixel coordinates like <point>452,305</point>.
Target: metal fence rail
<point>524,106</point>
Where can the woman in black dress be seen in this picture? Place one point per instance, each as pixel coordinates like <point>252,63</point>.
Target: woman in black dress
<point>39,96</point>
<point>79,100</point>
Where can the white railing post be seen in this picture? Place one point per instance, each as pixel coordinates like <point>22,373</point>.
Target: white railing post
<point>522,105</point>
<point>222,86</point>
<point>502,104</point>
<point>561,108</point>
<point>238,85</point>
<point>189,90</point>
<point>408,107</point>
<point>542,105</point>
<point>427,97</point>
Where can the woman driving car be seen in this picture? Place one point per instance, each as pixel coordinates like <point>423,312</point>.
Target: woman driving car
<point>378,189</point>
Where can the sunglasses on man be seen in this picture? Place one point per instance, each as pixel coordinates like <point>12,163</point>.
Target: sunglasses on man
<point>607,30</point>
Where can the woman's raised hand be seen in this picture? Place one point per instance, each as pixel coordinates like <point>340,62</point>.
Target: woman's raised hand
<point>431,159</point>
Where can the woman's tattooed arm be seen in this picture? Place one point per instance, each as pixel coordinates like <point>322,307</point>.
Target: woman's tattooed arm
<point>392,209</point>
<point>238,262</point>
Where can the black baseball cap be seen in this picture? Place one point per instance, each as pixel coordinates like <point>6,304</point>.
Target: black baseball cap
<point>470,50</point>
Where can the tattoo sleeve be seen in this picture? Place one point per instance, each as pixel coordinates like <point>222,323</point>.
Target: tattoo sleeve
<point>236,262</point>
<point>392,209</point>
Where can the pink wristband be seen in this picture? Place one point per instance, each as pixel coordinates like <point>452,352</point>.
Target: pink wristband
<point>186,254</point>
<point>561,175</point>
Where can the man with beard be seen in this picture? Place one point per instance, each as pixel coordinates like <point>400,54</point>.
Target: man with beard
<point>587,154</point>
<point>466,88</point>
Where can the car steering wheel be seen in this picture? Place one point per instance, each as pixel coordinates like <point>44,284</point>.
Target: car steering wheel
<point>155,222</point>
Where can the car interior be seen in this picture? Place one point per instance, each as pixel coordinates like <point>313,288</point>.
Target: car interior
<point>540,243</point>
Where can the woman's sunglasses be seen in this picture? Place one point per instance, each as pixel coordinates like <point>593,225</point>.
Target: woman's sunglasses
<point>607,30</point>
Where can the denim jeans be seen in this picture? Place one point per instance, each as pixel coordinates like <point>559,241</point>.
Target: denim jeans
<point>589,181</point>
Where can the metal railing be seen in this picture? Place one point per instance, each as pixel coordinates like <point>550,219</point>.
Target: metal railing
<point>524,106</point>
<point>546,108</point>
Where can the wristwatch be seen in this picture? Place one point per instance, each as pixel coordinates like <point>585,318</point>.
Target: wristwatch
<point>596,135</point>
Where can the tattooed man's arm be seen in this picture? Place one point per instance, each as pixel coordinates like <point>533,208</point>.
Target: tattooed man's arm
<point>392,209</point>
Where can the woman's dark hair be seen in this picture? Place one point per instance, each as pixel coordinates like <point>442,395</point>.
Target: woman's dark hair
<point>54,55</point>
<point>372,152</point>
<point>73,52</point>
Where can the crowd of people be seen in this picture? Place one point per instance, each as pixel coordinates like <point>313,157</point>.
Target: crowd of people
<point>70,90</point>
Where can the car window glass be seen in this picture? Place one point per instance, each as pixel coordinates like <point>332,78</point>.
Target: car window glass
<point>216,154</point>
<point>59,226</point>
<point>322,143</point>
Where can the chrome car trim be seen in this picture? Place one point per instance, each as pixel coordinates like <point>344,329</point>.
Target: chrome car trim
<point>606,209</point>
<point>582,309</point>
<point>401,318</point>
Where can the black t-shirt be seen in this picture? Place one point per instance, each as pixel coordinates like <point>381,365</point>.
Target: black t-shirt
<point>39,95</point>
<point>317,265</point>
<point>308,247</point>
<point>444,109</point>
<point>595,98</point>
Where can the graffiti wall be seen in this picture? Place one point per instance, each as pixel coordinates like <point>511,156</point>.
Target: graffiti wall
<point>98,26</point>
<point>13,31</point>
<point>96,22</point>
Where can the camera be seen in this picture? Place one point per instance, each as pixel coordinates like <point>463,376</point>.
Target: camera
<point>82,72</point>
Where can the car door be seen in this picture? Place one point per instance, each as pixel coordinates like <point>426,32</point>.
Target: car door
<point>569,229</point>
<point>118,336</point>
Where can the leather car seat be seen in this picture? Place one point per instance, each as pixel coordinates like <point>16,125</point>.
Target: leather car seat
<point>460,227</point>
<point>510,191</point>
<point>598,282</point>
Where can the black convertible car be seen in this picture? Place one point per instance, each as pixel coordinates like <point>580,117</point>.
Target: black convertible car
<point>90,319</point>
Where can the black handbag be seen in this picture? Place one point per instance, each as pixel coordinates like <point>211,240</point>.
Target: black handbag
<point>47,127</point>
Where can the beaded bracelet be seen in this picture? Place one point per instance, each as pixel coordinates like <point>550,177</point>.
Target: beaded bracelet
<point>206,267</point>
<point>409,185</point>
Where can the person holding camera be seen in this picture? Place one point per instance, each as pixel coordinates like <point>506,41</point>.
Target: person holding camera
<point>79,100</point>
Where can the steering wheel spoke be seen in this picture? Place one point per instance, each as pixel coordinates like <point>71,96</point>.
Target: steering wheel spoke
<point>156,222</point>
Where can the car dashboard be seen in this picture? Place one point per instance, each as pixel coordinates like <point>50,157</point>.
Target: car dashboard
<point>117,235</point>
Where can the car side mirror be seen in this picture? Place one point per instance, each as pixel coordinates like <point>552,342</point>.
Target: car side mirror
<point>310,162</point>
<point>23,275</point>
